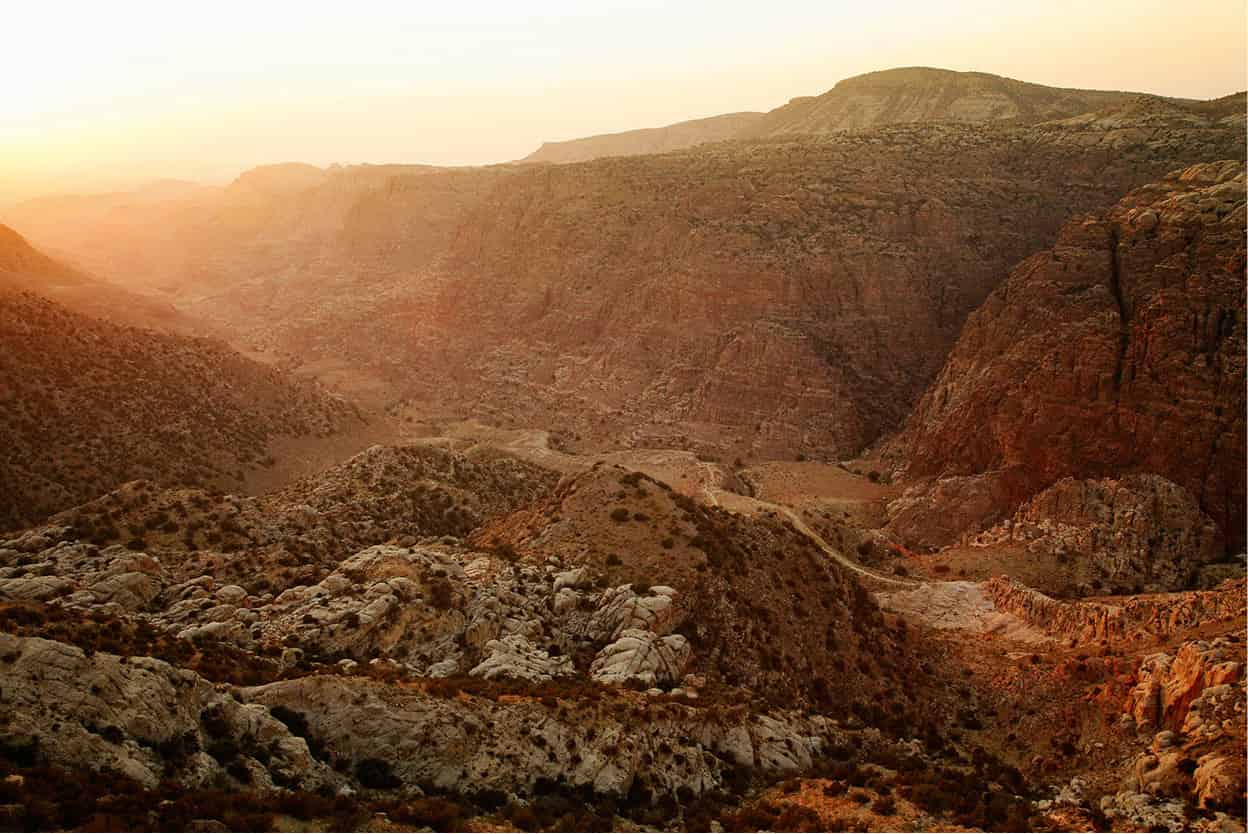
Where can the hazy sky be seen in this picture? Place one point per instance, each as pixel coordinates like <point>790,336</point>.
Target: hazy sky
<point>103,94</point>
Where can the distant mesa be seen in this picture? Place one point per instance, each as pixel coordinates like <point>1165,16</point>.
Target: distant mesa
<point>648,140</point>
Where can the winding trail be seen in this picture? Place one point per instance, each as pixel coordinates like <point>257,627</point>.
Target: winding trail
<point>832,553</point>
<point>712,475</point>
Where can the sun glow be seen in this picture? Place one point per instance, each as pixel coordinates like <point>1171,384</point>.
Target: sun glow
<point>100,92</point>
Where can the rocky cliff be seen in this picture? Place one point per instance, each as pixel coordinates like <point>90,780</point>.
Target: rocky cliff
<point>1119,350</point>
<point>1136,533</point>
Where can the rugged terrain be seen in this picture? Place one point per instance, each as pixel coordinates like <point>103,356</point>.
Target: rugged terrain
<point>761,299</point>
<point>428,638</point>
<point>881,472</point>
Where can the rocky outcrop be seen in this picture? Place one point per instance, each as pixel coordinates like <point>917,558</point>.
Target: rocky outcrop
<point>1140,532</point>
<point>473,744</point>
<point>149,721</point>
<point>643,657</point>
<point>1170,684</point>
<point>623,609</point>
<point>515,658</point>
<point>1081,621</point>
<point>1194,702</point>
<point>1120,350</point>
<point>144,719</point>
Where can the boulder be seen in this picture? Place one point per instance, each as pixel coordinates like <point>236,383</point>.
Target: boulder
<point>642,657</point>
<point>515,658</point>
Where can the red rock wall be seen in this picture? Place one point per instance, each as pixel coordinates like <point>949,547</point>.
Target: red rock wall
<point>1121,349</point>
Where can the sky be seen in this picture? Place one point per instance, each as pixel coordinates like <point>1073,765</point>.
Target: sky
<point>107,95</point>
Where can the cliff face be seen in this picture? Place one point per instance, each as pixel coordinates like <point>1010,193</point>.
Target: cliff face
<point>759,298</point>
<point>1119,350</point>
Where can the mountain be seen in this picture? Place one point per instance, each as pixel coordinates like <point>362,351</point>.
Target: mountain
<point>900,96</point>
<point>647,140</point>
<point>1119,350</point>
<point>923,94</point>
<point>89,404</point>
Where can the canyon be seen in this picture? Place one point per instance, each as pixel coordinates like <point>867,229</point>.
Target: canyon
<point>872,463</point>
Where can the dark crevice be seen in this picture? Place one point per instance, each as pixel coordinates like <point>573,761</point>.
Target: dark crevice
<point>1116,288</point>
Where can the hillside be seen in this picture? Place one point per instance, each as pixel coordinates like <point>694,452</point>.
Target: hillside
<point>89,404</point>
<point>1120,350</point>
<point>647,140</point>
<point>602,653</point>
<point>25,269</point>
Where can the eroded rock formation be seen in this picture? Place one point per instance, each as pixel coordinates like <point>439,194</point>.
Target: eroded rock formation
<point>1120,350</point>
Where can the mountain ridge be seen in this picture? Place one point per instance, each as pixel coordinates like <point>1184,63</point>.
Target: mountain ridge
<point>881,97</point>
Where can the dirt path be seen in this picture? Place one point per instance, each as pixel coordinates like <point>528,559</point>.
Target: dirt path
<point>832,553</point>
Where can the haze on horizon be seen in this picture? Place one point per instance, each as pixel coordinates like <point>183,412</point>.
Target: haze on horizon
<point>104,97</point>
